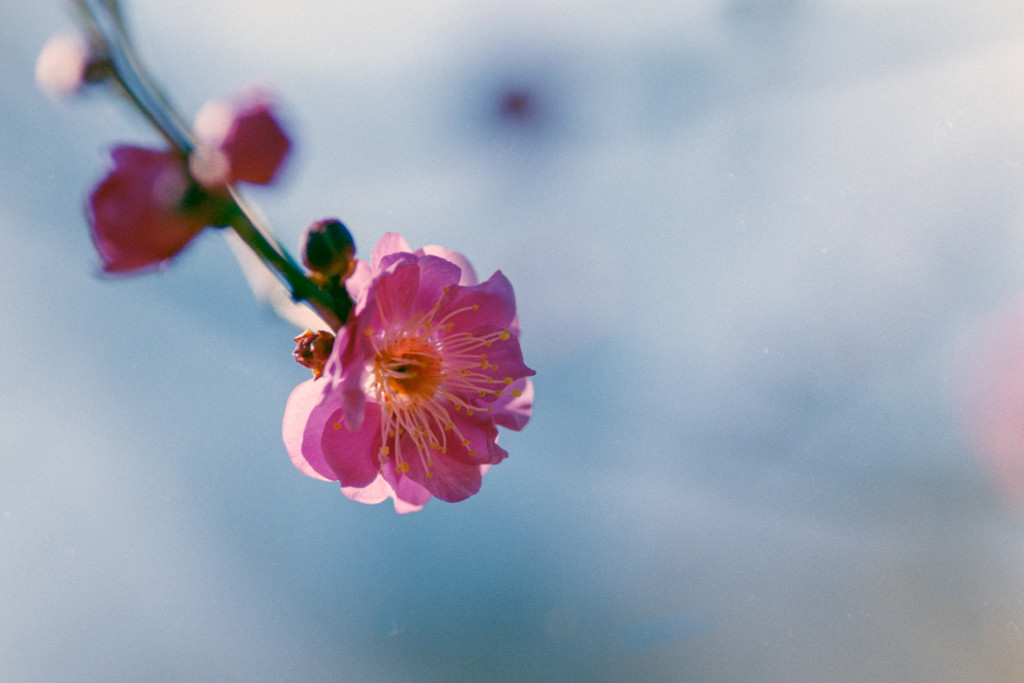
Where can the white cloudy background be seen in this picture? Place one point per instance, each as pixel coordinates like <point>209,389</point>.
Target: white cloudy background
<point>769,256</point>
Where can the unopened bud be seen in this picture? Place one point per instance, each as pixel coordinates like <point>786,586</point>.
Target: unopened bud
<point>329,250</point>
<point>246,133</point>
<point>66,63</point>
<point>312,350</point>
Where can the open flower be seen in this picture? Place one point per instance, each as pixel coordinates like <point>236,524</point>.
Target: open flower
<point>418,381</point>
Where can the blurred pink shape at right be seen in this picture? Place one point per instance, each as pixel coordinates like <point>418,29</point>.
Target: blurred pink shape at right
<point>992,399</point>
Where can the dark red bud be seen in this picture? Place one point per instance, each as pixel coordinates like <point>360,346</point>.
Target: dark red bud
<point>312,350</point>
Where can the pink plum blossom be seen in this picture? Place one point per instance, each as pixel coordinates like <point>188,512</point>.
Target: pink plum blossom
<point>418,381</point>
<point>241,141</point>
<point>150,205</point>
<point>136,214</point>
<point>62,65</point>
<point>991,398</point>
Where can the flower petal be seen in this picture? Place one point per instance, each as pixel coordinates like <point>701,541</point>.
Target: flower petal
<point>133,213</point>
<point>451,480</point>
<point>491,302</point>
<point>391,297</point>
<point>436,274</point>
<point>446,477</point>
<point>352,454</point>
<point>304,418</point>
<point>247,136</point>
<point>468,276</point>
<point>390,243</point>
<point>408,495</point>
<point>358,284</point>
<point>375,492</point>
<point>411,288</point>
<point>256,145</point>
<point>504,361</point>
<point>479,443</point>
<point>511,411</point>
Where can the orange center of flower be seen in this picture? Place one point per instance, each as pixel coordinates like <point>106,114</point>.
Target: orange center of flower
<point>406,372</point>
<point>421,373</point>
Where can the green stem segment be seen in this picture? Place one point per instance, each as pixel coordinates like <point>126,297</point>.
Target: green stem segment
<point>105,25</point>
<point>277,259</point>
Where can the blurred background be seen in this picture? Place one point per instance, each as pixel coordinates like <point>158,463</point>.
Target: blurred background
<point>769,258</point>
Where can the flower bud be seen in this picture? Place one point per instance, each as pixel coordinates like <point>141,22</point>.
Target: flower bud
<point>143,213</point>
<point>68,62</point>
<point>312,350</point>
<point>244,138</point>
<point>329,250</point>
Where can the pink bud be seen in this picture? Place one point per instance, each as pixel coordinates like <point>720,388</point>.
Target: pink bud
<point>247,135</point>
<point>61,65</point>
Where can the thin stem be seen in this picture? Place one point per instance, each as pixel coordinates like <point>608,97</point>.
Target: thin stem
<point>106,24</point>
<point>301,287</point>
<point>133,78</point>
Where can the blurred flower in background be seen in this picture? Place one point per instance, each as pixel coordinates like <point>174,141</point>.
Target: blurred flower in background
<point>992,393</point>
<point>154,202</point>
<point>141,215</point>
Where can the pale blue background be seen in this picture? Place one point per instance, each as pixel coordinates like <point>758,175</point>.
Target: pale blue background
<point>748,239</point>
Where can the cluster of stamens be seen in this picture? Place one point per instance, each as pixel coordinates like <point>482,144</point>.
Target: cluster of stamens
<point>419,373</point>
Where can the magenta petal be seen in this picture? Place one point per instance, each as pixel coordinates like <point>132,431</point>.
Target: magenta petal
<point>409,496</point>
<point>413,497</point>
<point>256,145</point>
<point>452,480</point>
<point>344,371</point>
<point>390,243</point>
<point>493,299</point>
<point>353,454</point>
<point>468,274</point>
<point>445,477</point>
<point>133,213</point>
<point>245,133</point>
<point>304,419</point>
<point>353,400</point>
<point>511,411</point>
<point>435,275</point>
<point>478,444</point>
<point>411,288</point>
<point>505,358</point>
<point>358,284</point>
<point>391,298</point>
<point>375,492</point>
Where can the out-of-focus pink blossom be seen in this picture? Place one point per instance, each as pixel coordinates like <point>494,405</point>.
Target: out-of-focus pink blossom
<point>62,64</point>
<point>992,399</point>
<point>149,206</point>
<point>419,379</point>
<point>137,214</point>
<point>240,141</point>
